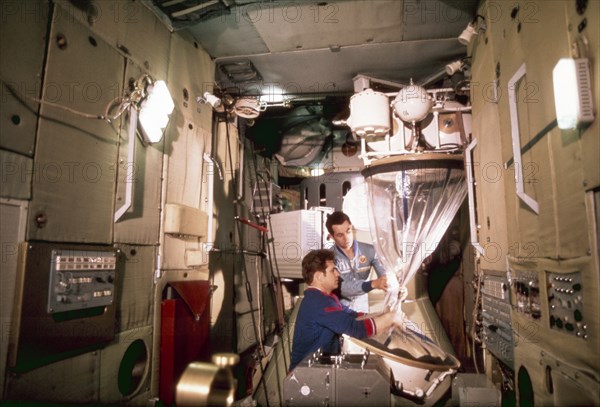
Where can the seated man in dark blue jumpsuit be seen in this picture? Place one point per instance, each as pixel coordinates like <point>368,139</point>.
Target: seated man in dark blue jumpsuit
<point>322,318</point>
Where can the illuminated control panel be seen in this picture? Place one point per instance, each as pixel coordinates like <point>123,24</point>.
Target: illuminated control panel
<point>565,299</point>
<point>81,279</point>
<point>497,326</point>
<point>527,294</point>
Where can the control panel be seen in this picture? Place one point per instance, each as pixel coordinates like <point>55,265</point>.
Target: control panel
<point>81,279</point>
<point>527,293</point>
<point>497,325</point>
<point>565,299</point>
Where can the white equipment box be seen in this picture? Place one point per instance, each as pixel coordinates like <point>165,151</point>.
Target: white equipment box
<point>295,234</point>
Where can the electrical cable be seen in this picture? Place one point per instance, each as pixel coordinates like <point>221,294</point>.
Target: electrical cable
<point>245,271</point>
<point>18,97</point>
<point>275,279</point>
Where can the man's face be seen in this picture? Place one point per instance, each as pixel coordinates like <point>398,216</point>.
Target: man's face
<point>331,277</point>
<point>342,235</point>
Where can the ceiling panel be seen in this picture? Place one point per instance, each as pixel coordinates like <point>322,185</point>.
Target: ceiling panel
<point>293,26</point>
<point>229,34</point>
<point>323,71</point>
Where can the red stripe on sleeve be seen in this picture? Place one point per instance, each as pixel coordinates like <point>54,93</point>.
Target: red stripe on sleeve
<point>370,326</point>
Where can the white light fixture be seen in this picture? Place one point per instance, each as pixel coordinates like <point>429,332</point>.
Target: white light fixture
<point>211,99</point>
<point>572,93</point>
<point>454,67</point>
<point>465,37</point>
<point>472,29</point>
<point>155,111</point>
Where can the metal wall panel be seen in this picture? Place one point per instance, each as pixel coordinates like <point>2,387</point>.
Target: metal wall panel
<point>74,380</point>
<point>191,73</point>
<point>135,285</point>
<point>12,232</point>
<point>74,191</point>
<point>16,174</point>
<point>130,355</point>
<point>552,170</point>
<point>187,139</point>
<point>186,182</point>
<point>140,224</point>
<point>129,26</point>
<point>590,142</point>
<point>144,37</point>
<point>23,33</point>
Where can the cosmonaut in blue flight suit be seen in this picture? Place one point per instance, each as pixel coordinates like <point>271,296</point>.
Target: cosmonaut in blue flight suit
<point>353,260</point>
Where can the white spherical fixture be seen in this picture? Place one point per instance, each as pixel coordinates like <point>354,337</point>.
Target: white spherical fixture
<point>412,104</point>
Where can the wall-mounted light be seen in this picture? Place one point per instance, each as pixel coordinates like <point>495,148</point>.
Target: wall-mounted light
<point>154,111</point>
<point>211,99</point>
<point>473,28</point>
<point>572,93</point>
<point>454,67</point>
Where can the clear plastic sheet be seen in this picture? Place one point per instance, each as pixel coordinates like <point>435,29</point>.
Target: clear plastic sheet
<point>412,200</point>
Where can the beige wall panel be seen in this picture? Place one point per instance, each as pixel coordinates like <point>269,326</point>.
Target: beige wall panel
<point>589,138</point>
<point>528,356</point>
<point>13,215</point>
<point>74,380</point>
<point>529,223</point>
<point>226,238</point>
<point>133,345</point>
<point>23,32</point>
<point>572,221</point>
<point>488,169</point>
<point>100,16</point>
<point>140,224</point>
<point>16,173</point>
<point>557,172</point>
<point>192,70</point>
<point>186,182</point>
<point>507,57</point>
<point>569,385</point>
<point>135,284</point>
<point>129,26</point>
<point>185,165</point>
<point>144,37</point>
<point>74,185</point>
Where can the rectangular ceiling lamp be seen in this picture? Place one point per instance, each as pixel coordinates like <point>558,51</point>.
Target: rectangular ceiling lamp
<point>572,93</point>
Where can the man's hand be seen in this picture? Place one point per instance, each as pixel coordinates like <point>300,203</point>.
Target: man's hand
<point>380,283</point>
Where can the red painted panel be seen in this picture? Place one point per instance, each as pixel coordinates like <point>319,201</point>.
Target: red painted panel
<point>185,329</point>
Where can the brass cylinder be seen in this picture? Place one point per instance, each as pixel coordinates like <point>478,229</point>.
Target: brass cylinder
<point>204,384</point>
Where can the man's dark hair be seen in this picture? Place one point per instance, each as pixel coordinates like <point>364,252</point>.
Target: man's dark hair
<point>315,261</point>
<point>336,218</point>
